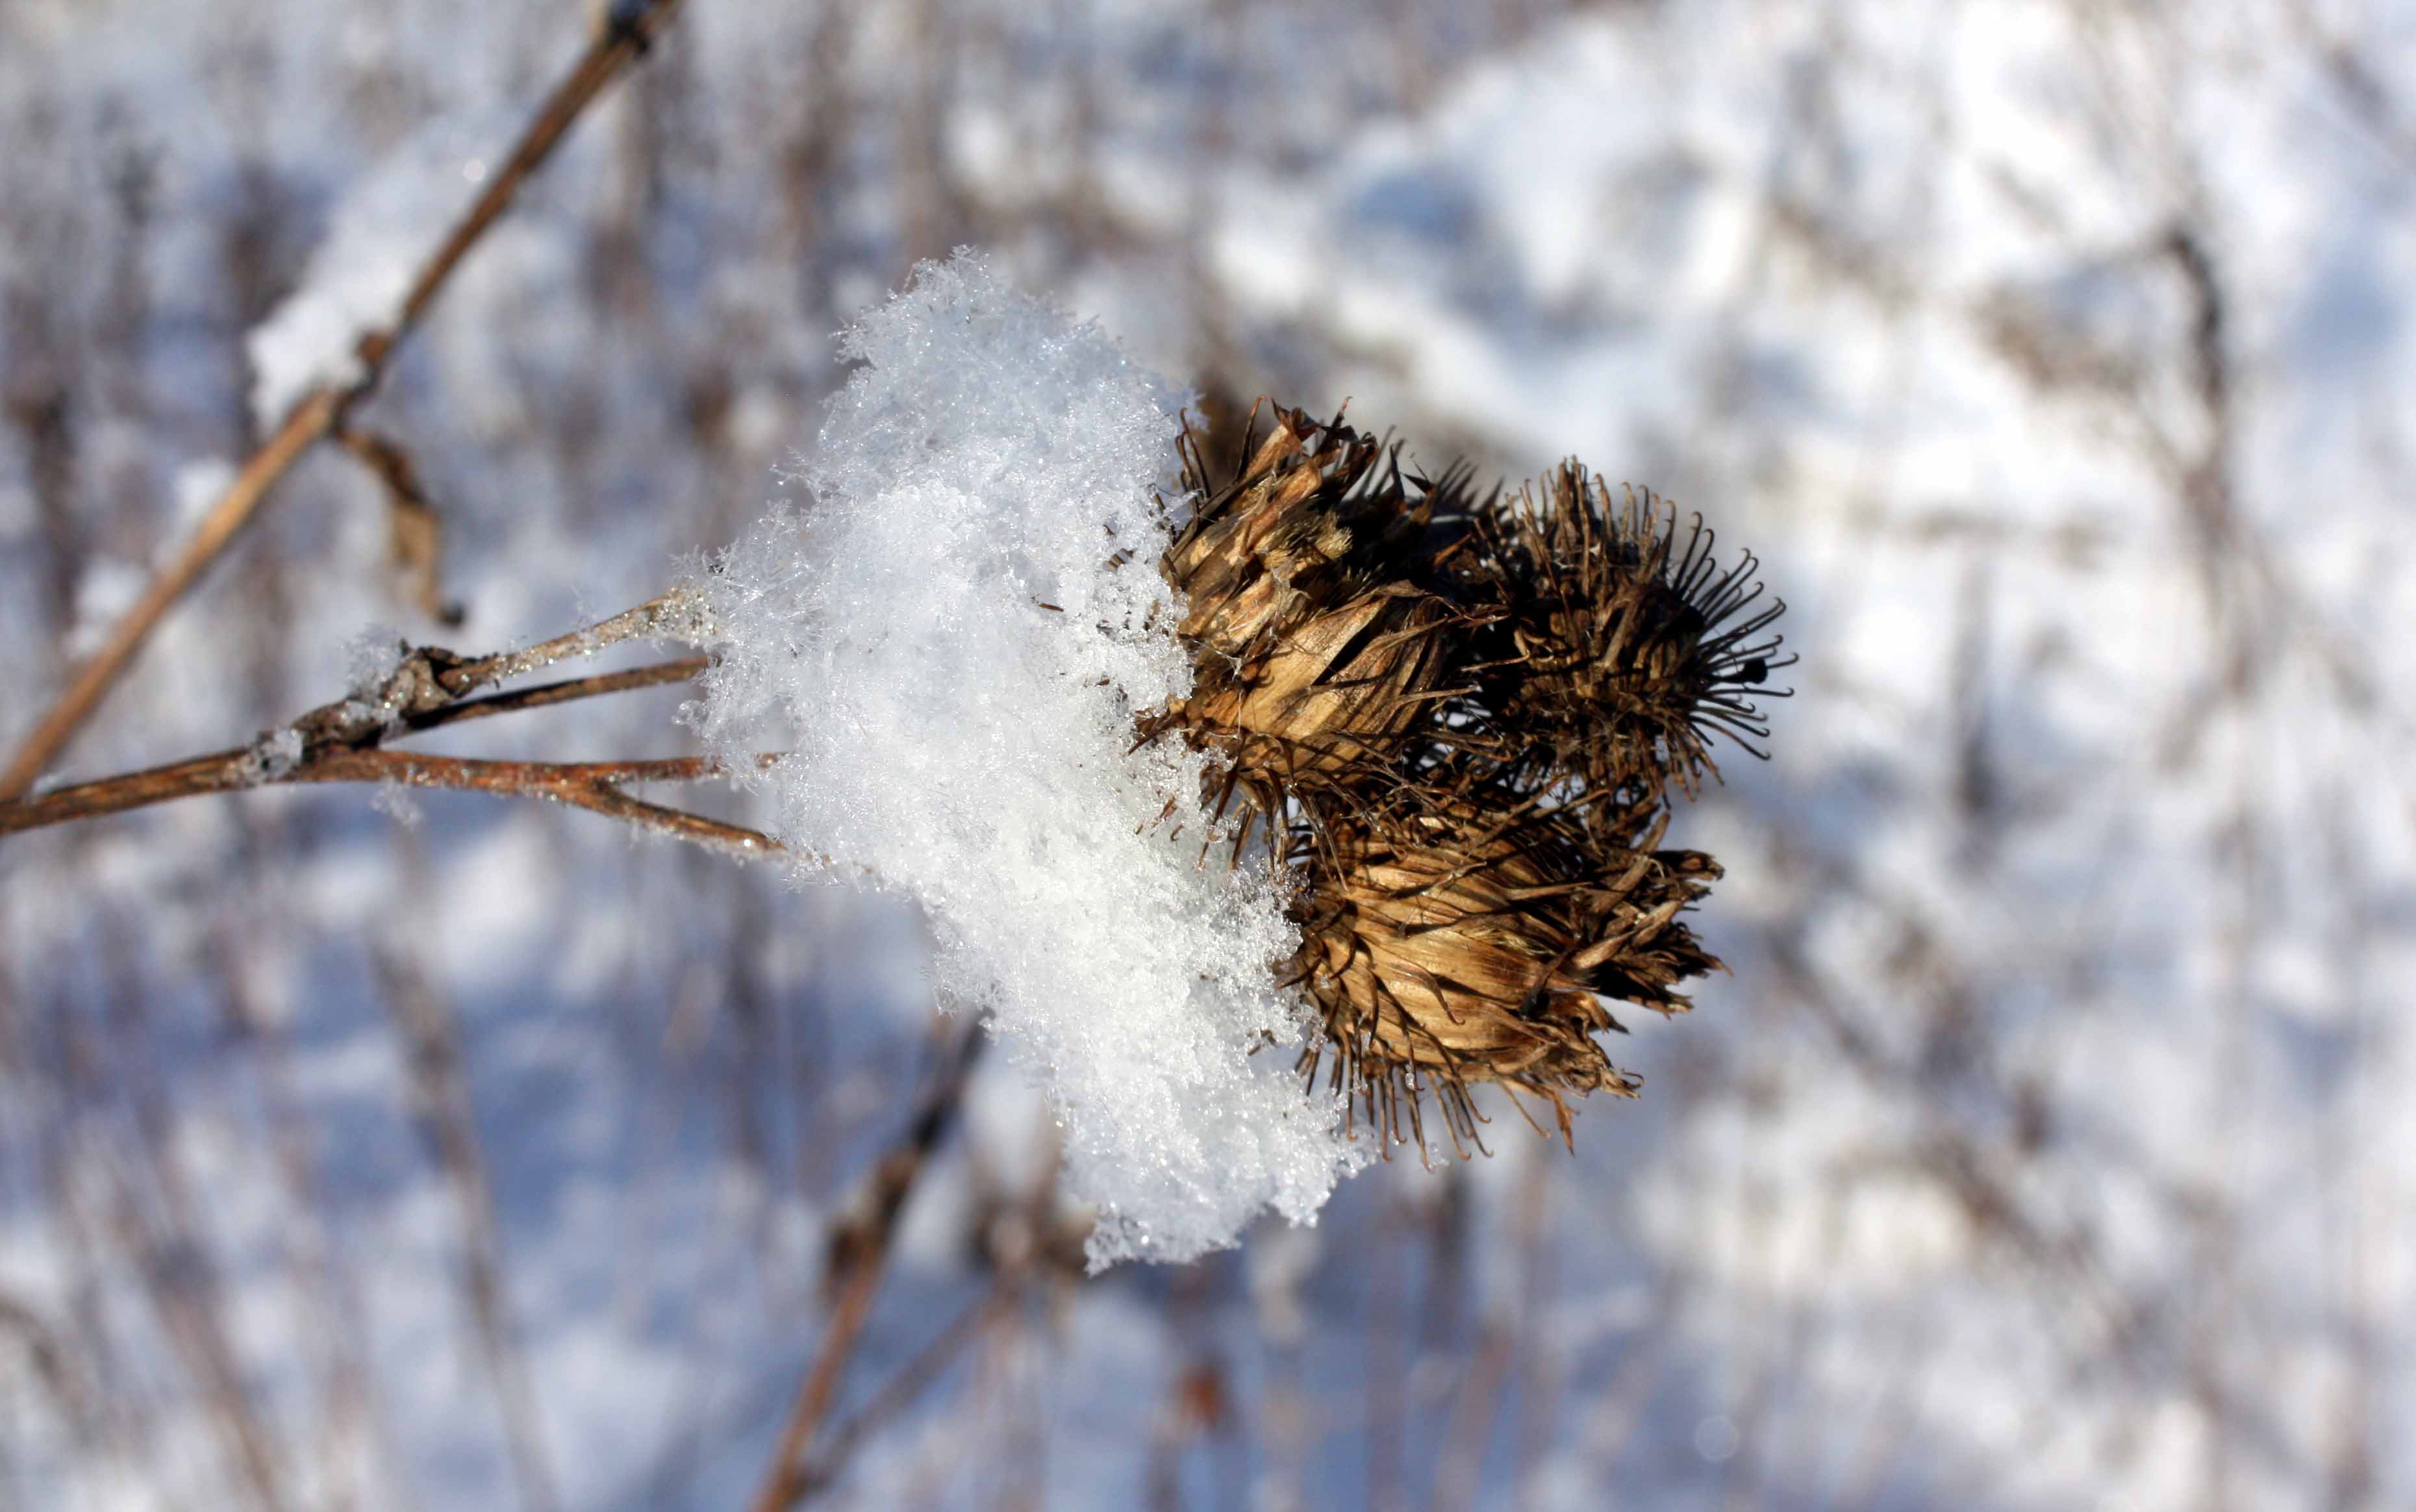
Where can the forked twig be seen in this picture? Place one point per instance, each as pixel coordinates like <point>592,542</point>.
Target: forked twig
<point>632,27</point>
<point>430,688</point>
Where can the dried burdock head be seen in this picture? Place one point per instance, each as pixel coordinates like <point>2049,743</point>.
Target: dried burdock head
<point>1459,946</point>
<point>1314,655</point>
<point>1461,723</point>
<point>1317,514</point>
<point>1332,693</point>
<point>1621,646</point>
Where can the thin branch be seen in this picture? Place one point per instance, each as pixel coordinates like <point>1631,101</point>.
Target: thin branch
<point>415,526</point>
<point>347,731</point>
<point>547,694</point>
<point>860,1253</point>
<point>592,785</point>
<point>912,1380</point>
<point>343,742</point>
<point>217,772</point>
<point>1025,1249</point>
<point>471,773</point>
<point>678,824</point>
<point>309,420</point>
<point>669,616</point>
<point>631,29</point>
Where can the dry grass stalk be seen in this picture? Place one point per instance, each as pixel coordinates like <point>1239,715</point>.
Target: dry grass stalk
<point>1461,718</point>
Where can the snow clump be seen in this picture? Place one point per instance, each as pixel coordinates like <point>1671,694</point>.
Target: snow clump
<point>951,643</point>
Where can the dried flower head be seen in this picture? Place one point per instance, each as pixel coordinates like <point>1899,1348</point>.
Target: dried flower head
<point>1315,660</point>
<point>1460,721</point>
<point>1336,690</point>
<point>1444,948</point>
<point>1308,519</point>
<point>952,650</point>
<point>1619,651</point>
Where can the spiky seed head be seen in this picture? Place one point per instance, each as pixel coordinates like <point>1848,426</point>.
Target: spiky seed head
<point>1310,655</point>
<point>1339,690</point>
<point>1315,514</point>
<point>1621,646</point>
<point>1449,948</point>
<point>1460,723</point>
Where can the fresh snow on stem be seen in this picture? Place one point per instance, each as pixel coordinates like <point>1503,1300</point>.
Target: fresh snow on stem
<point>952,641</point>
<point>381,233</point>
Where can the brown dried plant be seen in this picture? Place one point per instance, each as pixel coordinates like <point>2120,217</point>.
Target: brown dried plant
<point>1456,723</point>
<point>1460,721</point>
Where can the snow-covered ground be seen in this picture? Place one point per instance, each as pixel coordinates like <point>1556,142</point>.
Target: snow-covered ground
<point>2053,1142</point>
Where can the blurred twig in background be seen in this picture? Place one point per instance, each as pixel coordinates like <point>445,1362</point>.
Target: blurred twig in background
<point>430,1035</point>
<point>631,30</point>
<point>859,1251</point>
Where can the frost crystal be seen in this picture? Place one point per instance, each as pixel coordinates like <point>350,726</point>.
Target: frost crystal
<point>370,661</point>
<point>952,644</point>
<point>273,754</point>
<point>397,803</point>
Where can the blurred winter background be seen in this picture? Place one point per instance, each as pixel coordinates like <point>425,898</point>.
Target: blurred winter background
<point>2052,1144</point>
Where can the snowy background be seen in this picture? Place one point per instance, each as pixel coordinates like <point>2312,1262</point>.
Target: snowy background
<point>2052,1144</point>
